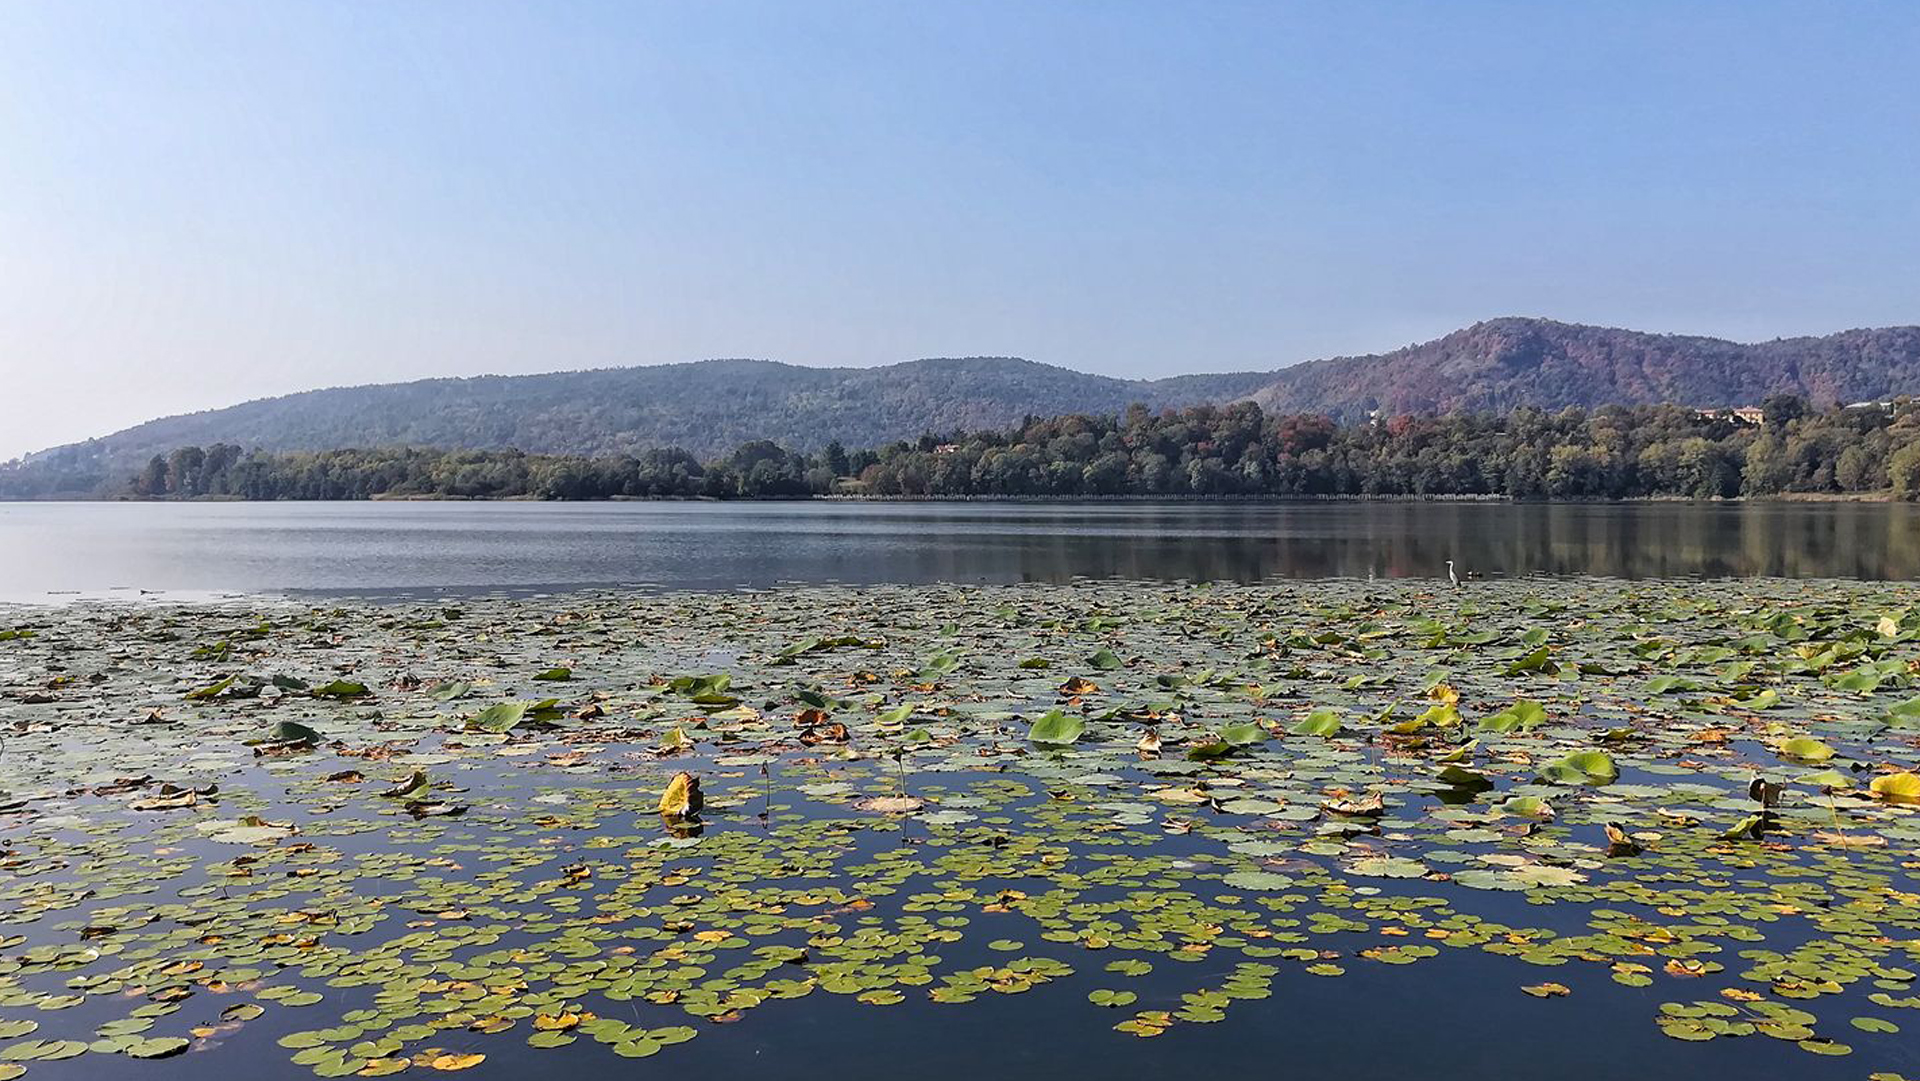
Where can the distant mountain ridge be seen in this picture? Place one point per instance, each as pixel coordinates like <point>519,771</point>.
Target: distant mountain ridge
<point>1503,364</point>
<point>709,407</point>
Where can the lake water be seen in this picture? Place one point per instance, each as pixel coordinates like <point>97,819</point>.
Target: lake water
<point>305,839</point>
<point>49,550</point>
<point>799,932</point>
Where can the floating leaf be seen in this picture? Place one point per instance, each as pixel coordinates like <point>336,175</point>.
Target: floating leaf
<point>1242,735</point>
<point>1258,880</point>
<point>1463,778</point>
<point>1056,727</point>
<point>1523,715</point>
<point>1896,787</point>
<point>1321,722</point>
<point>1806,749</point>
<point>341,688</point>
<point>212,689</point>
<point>1582,767</point>
<point>157,1047</point>
<point>499,717</point>
<point>1529,806</point>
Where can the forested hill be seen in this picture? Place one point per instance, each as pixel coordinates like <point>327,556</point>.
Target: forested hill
<point>1506,364</point>
<point>710,407</point>
<point>707,407</point>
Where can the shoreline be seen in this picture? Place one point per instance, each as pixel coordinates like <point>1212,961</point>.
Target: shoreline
<point>1876,497</point>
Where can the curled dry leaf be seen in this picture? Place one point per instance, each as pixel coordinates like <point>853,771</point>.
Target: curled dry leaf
<point>682,797</point>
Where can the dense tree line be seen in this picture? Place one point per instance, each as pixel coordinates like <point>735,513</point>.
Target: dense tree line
<point>1205,451</point>
<point>757,470</point>
<point>1613,452</point>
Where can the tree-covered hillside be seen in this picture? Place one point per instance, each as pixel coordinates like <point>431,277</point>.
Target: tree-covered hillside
<point>709,408</point>
<point>1505,364</point>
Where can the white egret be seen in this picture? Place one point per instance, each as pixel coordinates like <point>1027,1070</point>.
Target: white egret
<point>1451,576</point>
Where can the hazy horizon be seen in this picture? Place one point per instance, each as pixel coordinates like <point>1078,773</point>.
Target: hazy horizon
<point>210,202</point>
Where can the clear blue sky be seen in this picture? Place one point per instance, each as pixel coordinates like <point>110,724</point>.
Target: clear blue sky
<point>202,202</point>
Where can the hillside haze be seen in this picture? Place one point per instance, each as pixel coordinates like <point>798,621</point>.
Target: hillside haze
<point>710,407</point>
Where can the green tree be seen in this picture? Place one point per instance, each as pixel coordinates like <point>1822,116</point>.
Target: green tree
<point>1767,470</point>
<point>1903,468</point>
<point>152,481</point>
<point>183,470</point>
<point>1855,469</point>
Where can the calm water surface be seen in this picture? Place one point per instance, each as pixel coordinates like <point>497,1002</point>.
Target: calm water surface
<point>1460,1016</point>
<point>49,550</point>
